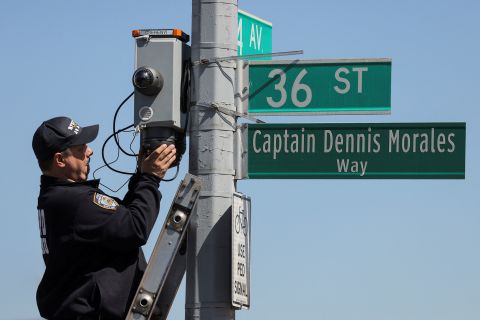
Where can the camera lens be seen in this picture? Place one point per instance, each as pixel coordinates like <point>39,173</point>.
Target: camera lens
<point>148,81</point>
<point>143,78</point>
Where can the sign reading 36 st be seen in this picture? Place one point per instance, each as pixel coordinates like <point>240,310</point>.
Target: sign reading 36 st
<point>343,86</point>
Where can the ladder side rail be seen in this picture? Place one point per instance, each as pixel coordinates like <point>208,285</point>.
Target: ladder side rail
<point>172,284</point>
<point>166,250</point>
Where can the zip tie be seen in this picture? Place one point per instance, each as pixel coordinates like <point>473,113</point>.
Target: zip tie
<point>229,112</point>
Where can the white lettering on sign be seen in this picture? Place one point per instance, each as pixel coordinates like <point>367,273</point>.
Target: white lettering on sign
<point>279,87</point>
<point>360,78</point>
<point>343,80</point>
<point>351,143</point>
<point>283,143</point>
<point>420,142</point>
<point>255,37</point>
<point>240,36</point>
<point>346,82</point>
<point>345,165</point>
<point>296,88</point>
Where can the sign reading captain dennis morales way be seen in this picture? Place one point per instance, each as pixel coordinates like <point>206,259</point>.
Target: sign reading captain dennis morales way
<point>379,151</point>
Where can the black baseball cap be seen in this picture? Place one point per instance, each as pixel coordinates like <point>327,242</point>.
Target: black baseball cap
<point>57,134</point>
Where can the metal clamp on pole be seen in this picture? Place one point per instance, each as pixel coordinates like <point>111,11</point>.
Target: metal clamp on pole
<point>248,56</point>
<point>241,87</point>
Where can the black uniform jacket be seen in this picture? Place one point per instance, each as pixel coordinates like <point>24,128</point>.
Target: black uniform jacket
<point>91,246</point>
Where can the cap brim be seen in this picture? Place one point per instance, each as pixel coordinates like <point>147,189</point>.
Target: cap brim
<point>87,135</point>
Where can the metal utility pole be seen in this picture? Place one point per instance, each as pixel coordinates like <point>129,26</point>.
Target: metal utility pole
<point>214,35</point>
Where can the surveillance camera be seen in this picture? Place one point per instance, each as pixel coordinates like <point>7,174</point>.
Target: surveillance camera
<point>147,81</point>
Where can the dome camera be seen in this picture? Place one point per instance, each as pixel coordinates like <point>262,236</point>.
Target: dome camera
<point>147,81</point>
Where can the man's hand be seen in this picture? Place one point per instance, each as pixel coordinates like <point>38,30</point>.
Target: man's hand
<point>158,162</point>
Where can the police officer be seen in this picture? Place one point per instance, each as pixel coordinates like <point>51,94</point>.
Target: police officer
<point>91,242</point>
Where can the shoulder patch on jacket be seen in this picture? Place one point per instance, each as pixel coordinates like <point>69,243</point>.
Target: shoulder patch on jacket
<point>104,201</point>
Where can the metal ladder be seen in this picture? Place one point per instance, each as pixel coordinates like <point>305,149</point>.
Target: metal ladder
<point>167,264</point>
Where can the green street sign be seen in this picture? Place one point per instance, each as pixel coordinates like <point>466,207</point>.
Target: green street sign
<point>302,87</point>
<point>254,34</point>
<point>355,151</point>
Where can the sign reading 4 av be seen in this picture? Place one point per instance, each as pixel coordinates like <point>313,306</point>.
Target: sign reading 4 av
<point>254,34</point>
<point>346,86</point>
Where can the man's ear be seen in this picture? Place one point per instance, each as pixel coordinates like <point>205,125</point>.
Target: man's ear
<point>58,160</point>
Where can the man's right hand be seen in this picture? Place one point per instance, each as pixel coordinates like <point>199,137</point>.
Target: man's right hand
<point>158,162</point>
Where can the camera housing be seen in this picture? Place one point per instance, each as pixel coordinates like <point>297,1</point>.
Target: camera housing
<point>162,59</point>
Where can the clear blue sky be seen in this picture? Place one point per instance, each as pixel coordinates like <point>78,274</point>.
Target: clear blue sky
<point>321,249</point>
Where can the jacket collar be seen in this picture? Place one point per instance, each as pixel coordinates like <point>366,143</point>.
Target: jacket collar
<point>46,181</point>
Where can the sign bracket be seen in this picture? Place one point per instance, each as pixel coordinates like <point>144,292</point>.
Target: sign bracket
<point>241,152</point>
<point>247,56</point>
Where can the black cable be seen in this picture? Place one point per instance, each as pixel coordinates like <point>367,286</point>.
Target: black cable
<point>113,161</point>
<point>186,98</point>
<point>175,176</point>
<point>117,140</point>
<point>103,151</point>
<point>123,185</point>
<point>104,165</point>
<point>107,164</point>
<point>131,142</point>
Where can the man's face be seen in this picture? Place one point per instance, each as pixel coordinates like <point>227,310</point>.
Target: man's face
<point>76,163</point>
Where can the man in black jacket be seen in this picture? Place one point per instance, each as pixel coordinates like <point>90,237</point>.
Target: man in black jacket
<point>91,242</point>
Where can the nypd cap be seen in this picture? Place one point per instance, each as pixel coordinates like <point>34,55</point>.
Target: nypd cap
<point>57,134</point>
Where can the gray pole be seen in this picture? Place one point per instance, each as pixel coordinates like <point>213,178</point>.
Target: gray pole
<point>214,34</point>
